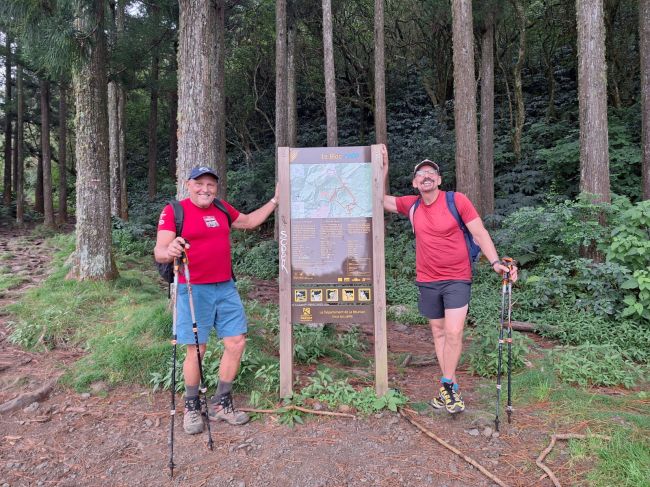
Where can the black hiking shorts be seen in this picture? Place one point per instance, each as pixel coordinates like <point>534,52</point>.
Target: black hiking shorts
<point>436,297</point>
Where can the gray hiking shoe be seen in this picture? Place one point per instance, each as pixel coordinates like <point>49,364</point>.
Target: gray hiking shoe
<point>193,419</point>
<point>224,410</point>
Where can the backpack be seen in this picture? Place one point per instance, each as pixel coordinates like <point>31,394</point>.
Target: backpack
<point>473,250</point>
<point>166,270</point>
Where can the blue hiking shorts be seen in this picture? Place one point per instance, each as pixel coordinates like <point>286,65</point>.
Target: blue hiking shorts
<point>216,306</point>
<point>436,297</point>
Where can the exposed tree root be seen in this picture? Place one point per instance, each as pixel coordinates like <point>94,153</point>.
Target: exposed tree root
<point>554,438</point>
<point>297,408</point>
<point>469,460</point>
<point>28,398</point>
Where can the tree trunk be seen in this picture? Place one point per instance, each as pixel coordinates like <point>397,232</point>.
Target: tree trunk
<point>592,99</point>
<point>292,94</point>
<point>93,255</point>
<point>520,113</point>
<point>486,162</point>
<point>152,129</point>
<point>173,131</point>
<point>467,168</point>
<point>281,110</point>
<point>62,216</point>
<point>114,149</point>
<point>121,136</point>
<point>197,121</point>
<point>612,56</point>
<point>6,189</point>
<point>644,49</point>
<point>220,99</point>
<point>330,84</point>
<point>48,204</point>
<point>20,168</point>
<point>381,135</point>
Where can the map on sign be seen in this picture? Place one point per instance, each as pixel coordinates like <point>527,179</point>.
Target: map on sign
<point>331,190</point>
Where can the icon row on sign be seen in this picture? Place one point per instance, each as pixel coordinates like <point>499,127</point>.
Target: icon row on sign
<point>332,295</point>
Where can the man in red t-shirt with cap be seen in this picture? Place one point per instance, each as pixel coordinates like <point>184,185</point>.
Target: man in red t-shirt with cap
<point>205,238</point>
<point>443,269</point>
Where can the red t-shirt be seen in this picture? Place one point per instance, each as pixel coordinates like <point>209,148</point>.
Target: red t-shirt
<point>207,231</point>
<point>440,249</point>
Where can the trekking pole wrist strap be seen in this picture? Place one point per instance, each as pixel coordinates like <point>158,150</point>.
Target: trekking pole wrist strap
<point>494,262</point>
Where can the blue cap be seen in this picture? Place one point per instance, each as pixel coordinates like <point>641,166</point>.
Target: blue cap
<point>199,171</point>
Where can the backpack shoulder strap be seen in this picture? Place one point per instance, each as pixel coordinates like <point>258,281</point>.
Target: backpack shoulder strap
<point>451,205</point>
<point>412,209</point>
<point>179,215</point>
<point>219,204</point>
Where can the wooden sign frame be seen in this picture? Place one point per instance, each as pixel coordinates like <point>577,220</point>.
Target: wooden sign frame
<point>285,276</point>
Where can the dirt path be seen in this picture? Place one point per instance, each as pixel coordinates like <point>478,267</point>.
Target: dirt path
<point>120,438</point>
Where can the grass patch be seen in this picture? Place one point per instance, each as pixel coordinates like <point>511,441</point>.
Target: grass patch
<point>8,281</point>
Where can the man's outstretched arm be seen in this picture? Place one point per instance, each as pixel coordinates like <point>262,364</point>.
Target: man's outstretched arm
<point>390,203</point>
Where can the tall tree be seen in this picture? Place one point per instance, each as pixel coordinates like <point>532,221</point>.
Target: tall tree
<point>152,126</point>
<point>220,99</point>
<point>644,50</point>
<point>62,215</point>
<point>330,83</point>
<point>520,113</point>
<point>93,255</point>
<point>19,169</point>
<point>381,135</point>
<point>281,111</point>
<point>114,120</point>
<point>197,121</point>
<point>46,151</point>
<point>467,168</point>
<point>486,162</point>
<point>592,99</point>
<point>8,119</point>
<point>38,187</point>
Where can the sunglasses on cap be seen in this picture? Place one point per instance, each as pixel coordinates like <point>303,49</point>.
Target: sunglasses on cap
<point>422,172</point>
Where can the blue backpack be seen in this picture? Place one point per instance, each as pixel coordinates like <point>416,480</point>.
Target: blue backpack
<point>473,250</point>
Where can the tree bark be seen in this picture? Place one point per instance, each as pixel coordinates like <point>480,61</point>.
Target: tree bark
<point>592,99</point>
<point>20,168</point>
<point>152,129</point>
<point>467,168</point>
<point>46,150</point>
<point>292,94</point>
<point>486,153</point>
<point>220,99</point>
<point>520,113</point>
<point>93,256</point>
<point>6,189</point>
<point>644,50</point>
<point>114,122</point>
<point>381,135</point>
<point>38,187</point>
<point>330,83</point>
<point>121,136</point>
<point>62,215</point>
<point>197,121</point>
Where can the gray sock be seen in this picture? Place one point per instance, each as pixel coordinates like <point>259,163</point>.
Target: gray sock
<point>191,392</point>
<point>223,388</point>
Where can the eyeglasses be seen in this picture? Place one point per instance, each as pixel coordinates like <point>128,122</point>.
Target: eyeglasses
<point>430,172</point>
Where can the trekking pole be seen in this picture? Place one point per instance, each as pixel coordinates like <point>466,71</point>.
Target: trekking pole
<point>202,388</point>
<point>506,289</point>
<point>172,409</point>
<point>509,263</point>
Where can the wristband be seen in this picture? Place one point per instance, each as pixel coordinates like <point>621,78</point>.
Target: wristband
<point>494,262</point>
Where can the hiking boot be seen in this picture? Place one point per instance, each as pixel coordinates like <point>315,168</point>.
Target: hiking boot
<point>453,400</point>
<point>224,410</point>
<point>193,419</point>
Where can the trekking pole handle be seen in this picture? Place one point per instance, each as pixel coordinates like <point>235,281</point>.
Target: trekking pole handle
<point>509,262</point>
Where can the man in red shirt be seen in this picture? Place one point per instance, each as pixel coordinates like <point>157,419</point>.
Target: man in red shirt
<point>205,238</point>
<point>443,269</point>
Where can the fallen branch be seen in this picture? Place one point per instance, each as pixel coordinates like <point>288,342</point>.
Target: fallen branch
<point>297,408</point>
<point>530,327</point>
<point>28,398</point>
<point>469,460</point>
<point>554,438</point>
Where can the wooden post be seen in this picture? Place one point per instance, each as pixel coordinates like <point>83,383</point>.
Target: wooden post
<point>284,253</point>
<point>378,272</point>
